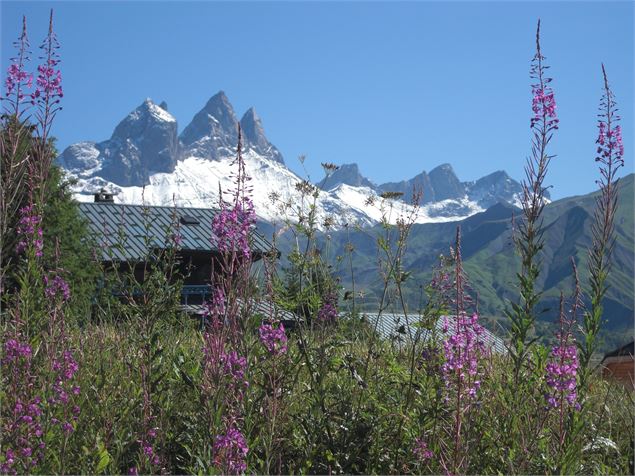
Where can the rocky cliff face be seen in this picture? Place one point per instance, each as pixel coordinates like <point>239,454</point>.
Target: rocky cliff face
<point>347,174</point>
<point>145,142</point>
<point>254,137</point>
<point>213,132</point>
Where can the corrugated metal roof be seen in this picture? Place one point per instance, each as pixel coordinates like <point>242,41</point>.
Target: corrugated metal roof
<point>267,309</point>
<point>128,232</point>
<point>399,327</point>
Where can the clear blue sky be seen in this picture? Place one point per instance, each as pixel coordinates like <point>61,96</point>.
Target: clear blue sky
<point>396,87</point>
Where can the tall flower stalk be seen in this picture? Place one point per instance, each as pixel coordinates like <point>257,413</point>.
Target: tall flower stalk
<point>18,79</point>
<point>225,364</point>
<point>14,156</point>
<point>462,350</point>
<point>610,157</point>
<point>529,238</point>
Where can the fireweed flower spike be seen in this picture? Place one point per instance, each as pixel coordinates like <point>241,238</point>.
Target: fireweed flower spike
<point>30,231</point>
<point>18,79</point>
<point>328,312</point>
<point>421,451</point>
<point>48,91</point>
<point>225,368</point>
<point>528,237</point>
<point>610,158</point>
<point>46,98</point>
<point>231,451</point>
<point>274,339</point>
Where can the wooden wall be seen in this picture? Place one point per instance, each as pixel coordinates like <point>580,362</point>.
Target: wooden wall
<point>620,368</point>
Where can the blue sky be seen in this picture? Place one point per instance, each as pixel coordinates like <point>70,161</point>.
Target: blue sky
<point>396,87</point>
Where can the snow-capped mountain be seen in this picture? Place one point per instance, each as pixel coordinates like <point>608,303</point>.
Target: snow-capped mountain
<point>441,185</point>
<point>146,160</point>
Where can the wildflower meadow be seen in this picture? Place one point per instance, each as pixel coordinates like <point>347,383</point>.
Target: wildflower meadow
<point>102,371</point>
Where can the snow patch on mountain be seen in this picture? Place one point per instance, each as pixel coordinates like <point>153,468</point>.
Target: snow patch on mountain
<point>276,193</point>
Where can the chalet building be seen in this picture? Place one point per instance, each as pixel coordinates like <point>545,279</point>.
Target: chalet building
<point>620,365</point>
<point>128,234</point>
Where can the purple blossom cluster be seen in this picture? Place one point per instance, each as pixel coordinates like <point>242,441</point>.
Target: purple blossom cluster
<point>328,312</point>
<point>48,89</point>
<point>48,85</point>
<point>22,432</point>
<point>18,79</point>
<point>562,376</point>
<point>234,366</point>
<point>148,448</point>
<point>273,338</point>
<point>543,103</point>
<point>49,81</point>
<point>421,450</point>
<point>56,287</point>
<point>462,350</point>
<point>14,350</point>
<point>230,451</point>
<point>610,148</point>
<point>610,141</point>
<point>29,231</point>
<point>214,311</point>
<point>231,227</point>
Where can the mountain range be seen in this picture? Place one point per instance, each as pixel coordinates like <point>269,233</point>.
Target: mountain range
<point>491,262</point>
<point>147,154</point>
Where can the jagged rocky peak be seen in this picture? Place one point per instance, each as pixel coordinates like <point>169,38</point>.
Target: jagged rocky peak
<point>80,157</point>
<point>143,143</point>
<point>494,188</point>
<point>418,184</point>
<point>347,174</point>
<point>254,136</point>
<point>147,115</point>
<point>445,183</point>
<point>213,132</point>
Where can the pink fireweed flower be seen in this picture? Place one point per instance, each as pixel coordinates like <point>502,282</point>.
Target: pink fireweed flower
<point>610,150</point>
<point>328,312</point>
<point>543,104</point>
<point>18,80</point>
<point>421,451</point>
<point>561,373</point>
<point>230,451</point>
<point>214,309</point>
<point>48,90</point>
<point>274,339</point>
<point>234,365</point>
<point>462,350</point>
<point>231,227</point>
<point>29,231</point>
<point>56,287</point>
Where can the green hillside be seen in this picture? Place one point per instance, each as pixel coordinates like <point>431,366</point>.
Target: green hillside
<point>491,262</point>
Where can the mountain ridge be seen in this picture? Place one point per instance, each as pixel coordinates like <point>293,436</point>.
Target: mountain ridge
<point>147,155</point>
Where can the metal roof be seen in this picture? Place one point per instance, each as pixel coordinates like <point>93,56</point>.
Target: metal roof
<point>625,350</point>
<point>399,328</point>
<point>128,232</point>
<point>266,308</point>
